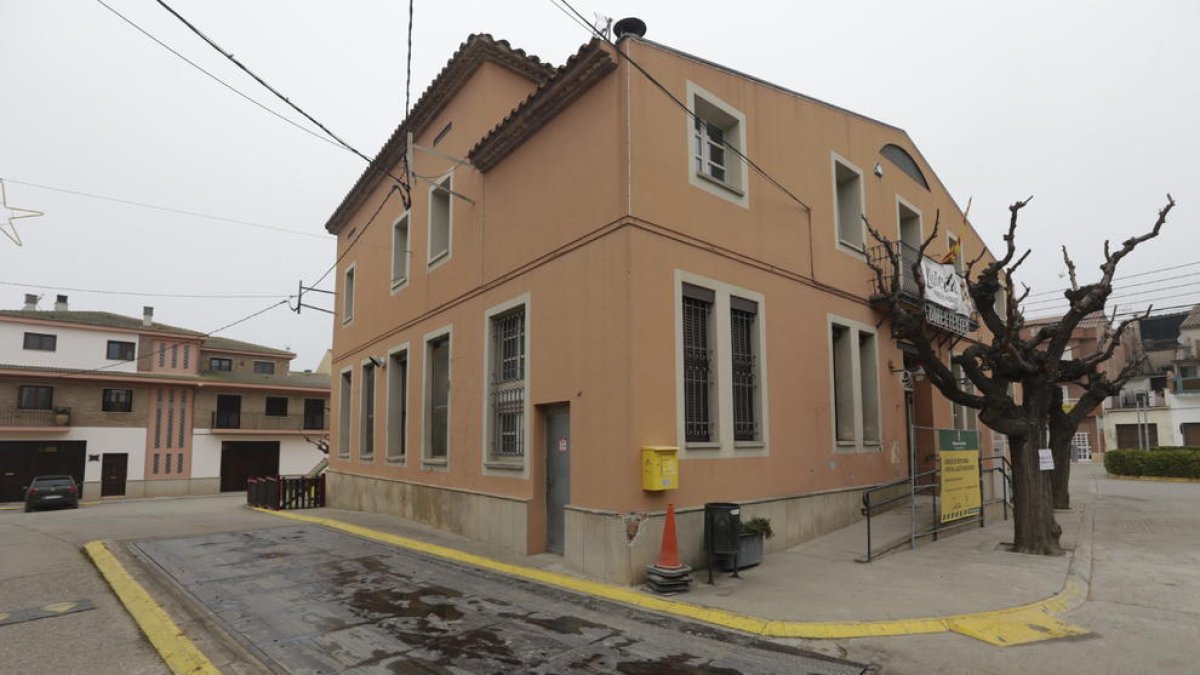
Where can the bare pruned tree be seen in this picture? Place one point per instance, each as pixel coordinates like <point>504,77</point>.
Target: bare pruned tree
<point>1031,360</point>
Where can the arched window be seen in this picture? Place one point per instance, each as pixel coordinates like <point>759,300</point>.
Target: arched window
<point>904,161</point>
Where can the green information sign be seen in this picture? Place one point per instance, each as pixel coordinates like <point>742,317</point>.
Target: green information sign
<point>958,459</point>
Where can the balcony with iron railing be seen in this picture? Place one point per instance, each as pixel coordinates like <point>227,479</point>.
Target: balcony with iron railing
<point>938,315</point>
<point>242,421</point>
<point>19,418</point>
<point>1137,400</point>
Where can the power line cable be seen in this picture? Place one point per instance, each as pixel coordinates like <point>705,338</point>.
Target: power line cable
<point>217,296</point>
<point>218,80</point>
<point>169,209</point>
<point>163,349</point>
<point>1122,278</point>
<point>683,106</point>
<point>358,236</point>
<point>1131,295</point>
<point>228,55</point>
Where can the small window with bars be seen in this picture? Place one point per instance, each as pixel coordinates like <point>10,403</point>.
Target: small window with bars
<point>697,364</point>
<point>508,385</point>
<point>742,315</point>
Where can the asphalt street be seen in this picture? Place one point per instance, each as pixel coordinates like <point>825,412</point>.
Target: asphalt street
<point>310,600</point>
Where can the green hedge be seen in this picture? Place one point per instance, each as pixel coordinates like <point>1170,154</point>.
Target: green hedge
<point>1171,462</point>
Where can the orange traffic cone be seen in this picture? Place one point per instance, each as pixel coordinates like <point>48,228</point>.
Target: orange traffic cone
<point>669,575</point>
<point>668,555</point>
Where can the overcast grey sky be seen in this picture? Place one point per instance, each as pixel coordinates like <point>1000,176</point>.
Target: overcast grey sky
<point>1091,106</point>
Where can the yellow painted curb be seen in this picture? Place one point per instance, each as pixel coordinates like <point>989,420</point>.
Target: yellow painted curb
<point>1158,479</point>
<point>1014,625</point>
<point>176,650</point>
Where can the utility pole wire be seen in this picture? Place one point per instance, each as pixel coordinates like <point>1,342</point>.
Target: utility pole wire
<point>405,188</point>
<point>169,209</point>
<point>218,80</point>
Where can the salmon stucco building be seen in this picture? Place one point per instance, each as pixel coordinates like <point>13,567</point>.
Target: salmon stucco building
<point>604,257</point>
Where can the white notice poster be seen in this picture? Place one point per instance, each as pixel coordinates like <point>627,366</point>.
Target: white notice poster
<point>1045,459</point>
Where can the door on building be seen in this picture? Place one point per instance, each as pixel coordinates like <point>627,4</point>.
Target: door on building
<point>314,413</point>
<point>113,470</point>
<point>1082,446</point>
<point>242,459</point>
<point>1128,435</point>
<point>20,461</point>
<point>558,474</point>
<point>229,412</point>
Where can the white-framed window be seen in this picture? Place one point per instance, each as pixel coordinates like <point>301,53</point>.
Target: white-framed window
<point>366,413</point>
<point>908,218</point>
<point>716,143</point>
<point>720,363</point>
<point>400,252</point>
<point>507,373</point>
<point>854,385</point>
<point>344,392</point>
<point>348,295</point>
<point>441,213</point>
<point>848,200</point>
<point>436,441</point>
<point>397,405</point>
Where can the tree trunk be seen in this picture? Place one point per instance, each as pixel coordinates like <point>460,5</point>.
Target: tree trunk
<point>1035,529</point>
<point>1061,438</point>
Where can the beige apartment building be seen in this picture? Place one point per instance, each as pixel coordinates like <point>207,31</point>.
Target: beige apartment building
<point>590,266</point>
<point>135,408</point>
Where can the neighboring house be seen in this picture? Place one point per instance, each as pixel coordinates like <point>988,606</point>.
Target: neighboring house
<point>135,408</point>
<point>1090,438</point>
<point>1161,406</point>
<point>606,272</point>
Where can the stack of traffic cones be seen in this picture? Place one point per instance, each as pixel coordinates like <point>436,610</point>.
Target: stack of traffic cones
<point>668,575</point>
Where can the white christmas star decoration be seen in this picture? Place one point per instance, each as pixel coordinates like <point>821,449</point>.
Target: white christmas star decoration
<point>9,229</point>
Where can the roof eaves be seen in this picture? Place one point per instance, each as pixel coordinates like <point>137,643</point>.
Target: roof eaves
<point>585,68</point>
<point>477,49</point>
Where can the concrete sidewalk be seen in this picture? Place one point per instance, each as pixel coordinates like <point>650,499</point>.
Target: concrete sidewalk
<point>966,583</point>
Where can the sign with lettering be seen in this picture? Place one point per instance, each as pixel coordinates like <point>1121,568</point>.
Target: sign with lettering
<point>944,287</point>
<point>1045,459</point>
<point>958,463</point>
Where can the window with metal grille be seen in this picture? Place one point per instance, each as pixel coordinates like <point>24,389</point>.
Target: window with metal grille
<point>697,364</point>
<point>742,314</point>
<point>508,385</point>
<point>437,395</point>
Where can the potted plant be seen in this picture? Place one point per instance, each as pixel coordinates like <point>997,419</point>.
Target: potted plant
<point>62,416</point>
<point>750,543</point>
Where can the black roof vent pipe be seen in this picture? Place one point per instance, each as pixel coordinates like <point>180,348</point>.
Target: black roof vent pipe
<point>630,26</point>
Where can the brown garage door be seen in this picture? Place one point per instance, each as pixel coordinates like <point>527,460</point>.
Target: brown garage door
<point>1127,435</point>
<point>1191,435</point>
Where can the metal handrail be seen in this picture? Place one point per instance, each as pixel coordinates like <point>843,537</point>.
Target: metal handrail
<point>917,487</point>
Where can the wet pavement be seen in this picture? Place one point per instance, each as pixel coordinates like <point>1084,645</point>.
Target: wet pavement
<point>307,599</point>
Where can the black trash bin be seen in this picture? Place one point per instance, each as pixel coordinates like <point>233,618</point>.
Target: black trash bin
<point>722,529</point>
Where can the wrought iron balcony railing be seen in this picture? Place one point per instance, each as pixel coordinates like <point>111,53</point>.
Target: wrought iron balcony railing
<point>261,421</point>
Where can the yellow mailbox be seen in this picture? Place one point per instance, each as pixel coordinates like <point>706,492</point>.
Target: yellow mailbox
<point>660,468</point>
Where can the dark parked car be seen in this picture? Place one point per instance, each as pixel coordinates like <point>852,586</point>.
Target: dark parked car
<point>57,491</point>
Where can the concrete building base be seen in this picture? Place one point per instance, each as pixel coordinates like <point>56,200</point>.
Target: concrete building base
<point>489,518</point>
<point>617,547</point>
